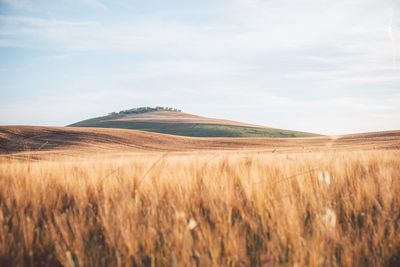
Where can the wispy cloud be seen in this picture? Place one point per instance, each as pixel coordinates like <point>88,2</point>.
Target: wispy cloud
<point>257,29</point>
<point>20,4</point>
<point>93,3</point>
<point>392,31</point>
<point>14,3</point>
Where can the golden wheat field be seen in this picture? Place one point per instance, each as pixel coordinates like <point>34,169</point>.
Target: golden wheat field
<point>209,208</point>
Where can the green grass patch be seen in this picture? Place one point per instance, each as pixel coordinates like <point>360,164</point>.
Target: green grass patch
<point>191,129</point>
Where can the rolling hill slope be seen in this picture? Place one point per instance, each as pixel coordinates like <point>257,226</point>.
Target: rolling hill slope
<point>179,123</point>
<point>71,141</point>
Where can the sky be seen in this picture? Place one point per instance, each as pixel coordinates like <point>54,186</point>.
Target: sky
<point>324,66</point>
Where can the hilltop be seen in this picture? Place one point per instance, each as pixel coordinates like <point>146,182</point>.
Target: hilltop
<point>174,121</point>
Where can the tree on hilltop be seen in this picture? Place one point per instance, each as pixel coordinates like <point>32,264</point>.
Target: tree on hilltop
<point>140,110</point>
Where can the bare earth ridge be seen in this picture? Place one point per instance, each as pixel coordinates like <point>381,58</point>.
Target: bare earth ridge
<point>180,117</point>
<point>36,139</point>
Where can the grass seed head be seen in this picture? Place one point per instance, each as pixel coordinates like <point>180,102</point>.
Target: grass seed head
<point>192,224</point>
<point>324,178</point>
<point>328,217</point>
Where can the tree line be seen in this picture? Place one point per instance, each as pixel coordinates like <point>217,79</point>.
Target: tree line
<point>144,110</point>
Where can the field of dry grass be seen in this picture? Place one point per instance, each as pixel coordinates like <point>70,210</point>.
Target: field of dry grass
<point>204,208</point>
<point>19,141</point>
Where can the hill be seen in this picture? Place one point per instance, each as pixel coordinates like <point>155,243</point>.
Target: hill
<point>59,140</point>
<point>175,122</point>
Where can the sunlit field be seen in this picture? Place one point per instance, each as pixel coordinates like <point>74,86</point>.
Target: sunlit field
<point>202,209</point>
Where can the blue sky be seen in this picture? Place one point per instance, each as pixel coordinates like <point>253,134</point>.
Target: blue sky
<point>330,67</point>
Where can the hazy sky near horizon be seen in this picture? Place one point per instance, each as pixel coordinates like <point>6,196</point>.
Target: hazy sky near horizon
<point>322,66</point>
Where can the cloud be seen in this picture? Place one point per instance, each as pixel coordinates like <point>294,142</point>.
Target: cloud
<point>15,3</point>
<point>393,30</point>
<point>22,4</point>
<point>353,74</point>
<point>93,3</point>
<point>259,29</point>
<point>10,43</point>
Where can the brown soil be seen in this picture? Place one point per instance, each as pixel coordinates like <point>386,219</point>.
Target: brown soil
<point>44,140</point>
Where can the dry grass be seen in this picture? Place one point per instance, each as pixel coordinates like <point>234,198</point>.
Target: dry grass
<point>203,209</point>
<point>77,141</point>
